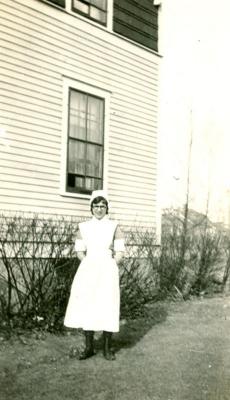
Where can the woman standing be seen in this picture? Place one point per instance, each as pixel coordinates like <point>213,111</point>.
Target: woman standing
<point>94,303</point>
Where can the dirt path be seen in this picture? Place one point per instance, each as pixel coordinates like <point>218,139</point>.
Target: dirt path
<point>184,356</point>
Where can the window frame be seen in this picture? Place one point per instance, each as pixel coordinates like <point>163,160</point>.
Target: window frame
<point>87,16</point>
<point>94,91</point>
<point>69,9</point>
<point>85,142</point>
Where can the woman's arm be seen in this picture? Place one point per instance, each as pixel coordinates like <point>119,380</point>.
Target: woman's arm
<point>119,245</point>
<point>80,246</point>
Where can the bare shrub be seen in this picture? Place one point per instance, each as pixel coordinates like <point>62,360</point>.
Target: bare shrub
<point>209,248</point>
<point>37,264</point>
<point>139,272</point>
<point>191,260</point>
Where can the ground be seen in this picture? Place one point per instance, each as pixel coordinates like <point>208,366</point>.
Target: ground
<point>181,352</point>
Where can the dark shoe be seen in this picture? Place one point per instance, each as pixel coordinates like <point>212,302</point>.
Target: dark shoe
<point>86,354</point>
<point>89,346</point>
<point>109,355</point>
<point>107,351</point>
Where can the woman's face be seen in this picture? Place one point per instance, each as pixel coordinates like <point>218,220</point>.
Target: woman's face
<point>99,210</point>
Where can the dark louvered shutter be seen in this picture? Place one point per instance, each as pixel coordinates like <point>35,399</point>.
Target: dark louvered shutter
<point>137,20</point>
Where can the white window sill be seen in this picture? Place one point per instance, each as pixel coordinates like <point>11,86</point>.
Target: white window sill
<point>75,195</point>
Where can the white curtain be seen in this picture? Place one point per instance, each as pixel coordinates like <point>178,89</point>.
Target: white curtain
<point>76,162</point>
<point>77,115</point>
<point>95,120</point>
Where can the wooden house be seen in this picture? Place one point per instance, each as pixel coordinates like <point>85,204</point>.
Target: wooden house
<point>79,107</point>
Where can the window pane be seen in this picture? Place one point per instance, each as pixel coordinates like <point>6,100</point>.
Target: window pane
<point>77,115</point>
<point>71,181</point>
<point>81,6</point>
<point>100,4</point>
<point>95,120</point>
<point>97,14</point>
<point>79,182</point>
<point>89,183</point>
<point>93,184</point>
<point>76,161</point>
<point>75,182</point>
<point>94,161</point>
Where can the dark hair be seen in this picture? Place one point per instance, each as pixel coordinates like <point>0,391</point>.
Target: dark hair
<point>97,200</point>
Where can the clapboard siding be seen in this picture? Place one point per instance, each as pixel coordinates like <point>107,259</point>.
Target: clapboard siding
<point>123,116</point>
<point>27,95</point>
<point>26,185</point>
<point>147,197</point>
<point>62,24</point>
<point>41,47</point>
<point>10,75</point>
<point>132,157</point>
<point>132,86</point>
<point>41,203</point>
<point>69,35</point>
<point>131,167</point>
<point>29,166</point>
<point>27,114</point>
<point>18,124</point>
<point>134,136</point>
<point>137,111</point>
<point>129,178</point>
<point>23,171</point>
<point>31,158</point>
<point>32,144</point>
<point>31,107</point>
<point>133,148</point>
<point>23,128</point>
<point>25,135</point>
<point>134,104</point>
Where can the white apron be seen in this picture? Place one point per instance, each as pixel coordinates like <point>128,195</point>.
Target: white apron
<point>94,302</point>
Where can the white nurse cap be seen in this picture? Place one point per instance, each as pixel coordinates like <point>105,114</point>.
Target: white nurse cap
<point>97,193</point>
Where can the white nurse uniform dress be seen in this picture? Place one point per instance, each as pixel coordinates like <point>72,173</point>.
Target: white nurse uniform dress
<point>94,302</point>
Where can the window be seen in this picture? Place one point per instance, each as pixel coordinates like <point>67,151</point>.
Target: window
<point>85,147</point>
<point>60,3</point>
<point>93,9</point>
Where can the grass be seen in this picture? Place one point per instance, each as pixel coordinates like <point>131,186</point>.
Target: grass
<point>176,351</point>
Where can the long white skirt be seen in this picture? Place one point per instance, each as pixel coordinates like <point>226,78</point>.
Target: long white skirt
<point>94,302</point>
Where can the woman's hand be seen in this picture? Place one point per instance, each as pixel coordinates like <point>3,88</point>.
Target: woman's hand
<point>118,256</point>
<point>80,255</point>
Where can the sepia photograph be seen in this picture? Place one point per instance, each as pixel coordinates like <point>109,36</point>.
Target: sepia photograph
<point>114,200</point>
